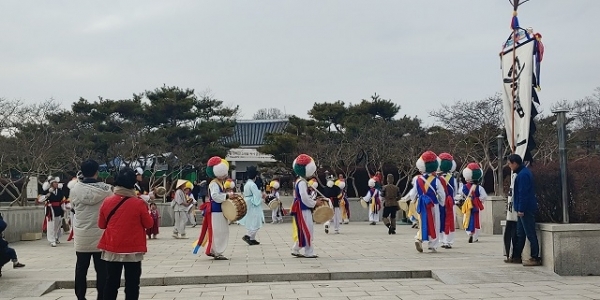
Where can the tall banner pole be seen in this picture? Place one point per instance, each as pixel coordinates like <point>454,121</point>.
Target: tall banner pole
<point>520,58</point>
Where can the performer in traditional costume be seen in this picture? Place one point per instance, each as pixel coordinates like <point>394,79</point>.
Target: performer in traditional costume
<point>278,212</point>
<point>474,195</point>
<point>313,185</point>
<point>344,204</point>
<point>139,190</point>
<point>447,215</point>
<point>335,195</point>
<point>54,210</point>
<point>229,186</point>
<point>214,234</point>
<point>191,200</point>
<point>431,195</point>
<point>180,205</point>
<point>255,217</point>
<point>411,196</point>
<point>373,199</point>
<point>390,204</point>
<point>302,222</point>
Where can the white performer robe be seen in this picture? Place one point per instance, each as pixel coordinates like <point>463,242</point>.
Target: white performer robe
<point>54,227</point>
<point>433,244</point>
<point>180,210</point>
<point>276,214</point>
<point>309,201</point>
<point>369,198</point>
<point>220,225</point>
<point>448,239</point>
<point>482,196</point>
<point>336,220</point>
<point>191,212</point>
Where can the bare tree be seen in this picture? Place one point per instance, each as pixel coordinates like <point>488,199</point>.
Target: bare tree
<point>31,148</point>
<point>269,114</point>
<point>476,125</point>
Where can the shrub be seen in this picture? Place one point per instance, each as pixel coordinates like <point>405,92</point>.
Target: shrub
<point>584,191</point>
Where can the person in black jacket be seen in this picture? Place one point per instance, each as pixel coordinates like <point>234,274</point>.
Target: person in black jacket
<point>7,253</point>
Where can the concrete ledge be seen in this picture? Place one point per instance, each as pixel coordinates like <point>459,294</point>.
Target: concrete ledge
<point>570,249</point>
<point>220,279</point>
<point>31,236</point>
<point>20,220</point>
<point>494,211</point>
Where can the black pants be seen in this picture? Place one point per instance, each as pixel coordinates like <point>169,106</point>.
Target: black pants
<point>133,272</point>
<point>81,270</point>
<point>526,230</point>
<point>390,211</point>
<point>510,238</point>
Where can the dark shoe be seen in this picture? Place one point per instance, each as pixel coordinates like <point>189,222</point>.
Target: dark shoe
<point>390,230</point>
<point>326,228</point>
<point>247,240</point>
<point>394,231</point>
<point>297,255</point>
<point>313,256</point>
<point>444,246</point>
<point>387,225</point>
<point>221,257</point>
<point>18,265</point>
<point>470,239</point>
<point>448,247</point>
<point>373,223</point>
<point>419,246</point>
<point>513,261</point>
<point>414,225</point>
<point>254,242</point>
<point>532,262</point>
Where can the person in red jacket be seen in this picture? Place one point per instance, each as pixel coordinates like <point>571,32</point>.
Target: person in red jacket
<point>124,218</point>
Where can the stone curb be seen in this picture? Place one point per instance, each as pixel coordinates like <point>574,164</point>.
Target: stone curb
<point>249,278</point>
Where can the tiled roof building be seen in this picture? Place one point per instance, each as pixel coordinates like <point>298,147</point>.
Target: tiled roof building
<point>251,134</point>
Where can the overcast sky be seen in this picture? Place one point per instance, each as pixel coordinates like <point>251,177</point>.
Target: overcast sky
<point>289,54</point>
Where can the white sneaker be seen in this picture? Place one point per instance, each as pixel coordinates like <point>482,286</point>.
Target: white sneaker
<point>53,244</point>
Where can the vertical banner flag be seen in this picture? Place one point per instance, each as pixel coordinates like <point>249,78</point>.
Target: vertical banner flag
<point>520,76</point>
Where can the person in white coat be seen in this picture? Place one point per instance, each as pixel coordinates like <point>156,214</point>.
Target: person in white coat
<point>87,195</point>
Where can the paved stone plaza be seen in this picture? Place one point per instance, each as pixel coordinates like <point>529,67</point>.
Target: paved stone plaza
<point>363,262</point>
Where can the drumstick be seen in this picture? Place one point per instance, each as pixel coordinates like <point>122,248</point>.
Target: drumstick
<point>316,190</point>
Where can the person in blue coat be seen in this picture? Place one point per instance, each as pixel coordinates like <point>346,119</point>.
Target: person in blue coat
<point>7,253</point>
<point>525,204</point>
<point>255,217</point>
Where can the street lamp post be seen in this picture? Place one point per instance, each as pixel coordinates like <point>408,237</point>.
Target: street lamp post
<point>561,120</point>
<point>500,185</point>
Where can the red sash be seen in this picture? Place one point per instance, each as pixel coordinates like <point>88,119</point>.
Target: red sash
<point>206,230</point>
<point>448,208</point>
